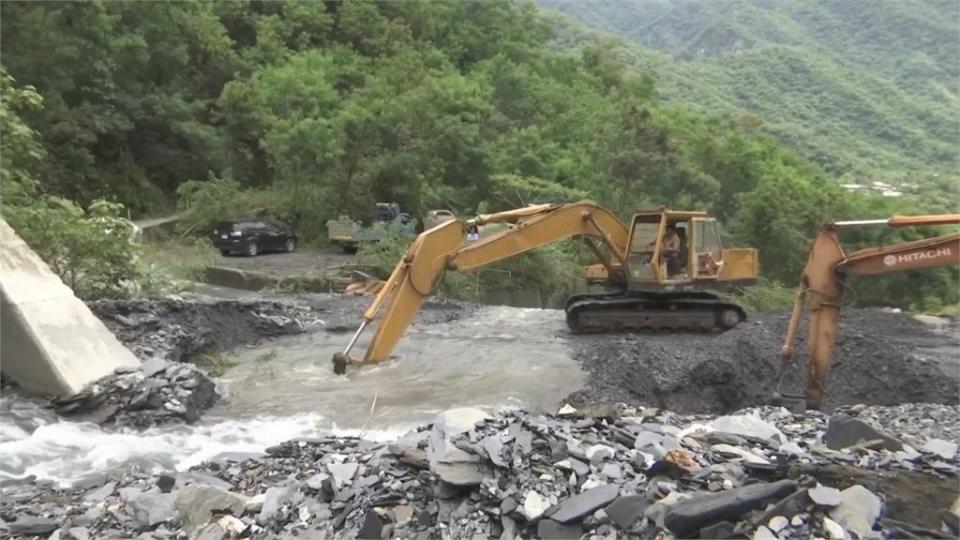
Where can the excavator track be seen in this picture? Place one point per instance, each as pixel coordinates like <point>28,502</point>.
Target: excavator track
<point>698,312</point>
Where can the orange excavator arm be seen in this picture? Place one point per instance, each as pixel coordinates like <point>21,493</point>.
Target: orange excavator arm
<point>442,248</point>
<point>822,281</point>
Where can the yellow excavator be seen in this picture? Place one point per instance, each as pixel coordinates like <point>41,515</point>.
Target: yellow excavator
<point>823,281</point>
<point>660,272</point>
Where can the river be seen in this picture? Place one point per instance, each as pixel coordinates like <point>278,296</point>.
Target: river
<point>285,388</point>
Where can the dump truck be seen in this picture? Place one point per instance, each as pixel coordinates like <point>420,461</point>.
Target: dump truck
<point>387,220</point>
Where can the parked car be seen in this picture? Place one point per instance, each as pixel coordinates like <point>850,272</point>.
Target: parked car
<point>253,236</point>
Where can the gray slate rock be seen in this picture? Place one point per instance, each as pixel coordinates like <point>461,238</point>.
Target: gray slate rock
<point>548,529</point>
<point>763,533</point>
<point>276,498</point>
<point>197,502</point>
<point>585,503</point>
<point>373,526</point>
<point>626,510</point>
<point>494,449</point>
<point>166,482</point>
<point>691,515</point>
<point>778,523</point>
<point>152,508</point>
<point>859,509</point>
<point>940,447</point>
<point>154,365</point>
<point>845,431</point>
<point>451,464</point>
<point>746,425</point>
<point>824,495</point>
<point>79,533</point>
<point>341,473</point>
<point>30,525</point>
<point>101,493</point>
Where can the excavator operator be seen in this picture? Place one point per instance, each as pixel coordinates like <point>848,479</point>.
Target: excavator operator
<point>674,246</point>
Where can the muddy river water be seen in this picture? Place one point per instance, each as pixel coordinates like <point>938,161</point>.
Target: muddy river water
<point>285,388</point>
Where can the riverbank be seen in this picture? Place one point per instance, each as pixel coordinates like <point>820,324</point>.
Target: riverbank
<point>630,473</point>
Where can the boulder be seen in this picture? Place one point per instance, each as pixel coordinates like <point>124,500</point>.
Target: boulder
<point>152,508</point>
<point>197,503</point>
<point>858,510</point>
<point>548,529</point>
<point>101,492</point>
<point>824,496</point>
<point>940,447</point>
<point>585,503</point>
<point>451,464</point>
<point>691,515</point>
<point>844,431</point>
<point>626,510</point>
<point>30,525</point>
<point>747,425</point>
<point>342,473</point>
<point>833,529</point>
<point>534,505</point>
<point>276,498</point>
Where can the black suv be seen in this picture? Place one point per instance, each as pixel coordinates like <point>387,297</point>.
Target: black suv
<point>253,236</point>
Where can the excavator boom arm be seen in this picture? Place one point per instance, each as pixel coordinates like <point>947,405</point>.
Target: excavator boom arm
<point>442,248</point>
<point>822,280</point>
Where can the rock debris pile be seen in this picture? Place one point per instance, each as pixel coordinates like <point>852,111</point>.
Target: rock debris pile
<point>880,358</point>
<point>179,330</point>
<point>626,473</point>
<point>167,335</point>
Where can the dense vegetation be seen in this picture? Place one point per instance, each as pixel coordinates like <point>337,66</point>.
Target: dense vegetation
<point>866,89</point>
<point>309,110</point>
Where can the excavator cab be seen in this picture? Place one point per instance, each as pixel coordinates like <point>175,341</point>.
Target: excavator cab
<point>671,250</point>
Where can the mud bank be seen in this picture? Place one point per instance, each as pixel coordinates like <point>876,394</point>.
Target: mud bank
<point>880,358</point>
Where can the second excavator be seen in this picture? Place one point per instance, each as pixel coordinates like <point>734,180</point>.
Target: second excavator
<point>663,271</point>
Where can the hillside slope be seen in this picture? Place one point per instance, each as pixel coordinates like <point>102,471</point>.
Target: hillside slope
<point>864,88</point>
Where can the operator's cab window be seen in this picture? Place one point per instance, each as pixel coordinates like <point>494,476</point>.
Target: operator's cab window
<point>708,248</point>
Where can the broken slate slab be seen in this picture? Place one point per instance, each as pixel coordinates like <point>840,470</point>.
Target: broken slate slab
<point>29,525</point>
<point>275,499</point>
<point>342,473</point>
<point>626,510</point>
<point>833,529</point>
<point>940,447</point>
<point>494,448</point>
<point>152,508</point>
<point>548,529</point>
<point>691,515</point>
<point>154,365</point>
<point>859,509</point>
<point>763,533</point>
<point>373,525</point>
<point>198,502</point>
<point>534,505</point>
<point>101,492</point>
<point>824,495</point>
<point>844,431</point>
<point>747,425</point>
<point>585,503</point>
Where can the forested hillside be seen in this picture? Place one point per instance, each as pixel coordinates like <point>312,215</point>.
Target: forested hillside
<point>310,110</point>
<point>866,89</point>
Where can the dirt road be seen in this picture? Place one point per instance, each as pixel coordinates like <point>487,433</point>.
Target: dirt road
<point>302,263</point>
